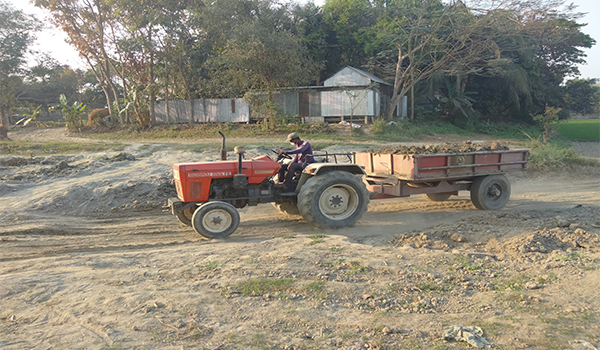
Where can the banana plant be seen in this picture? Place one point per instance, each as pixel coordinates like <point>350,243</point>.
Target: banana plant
<point>33,116</point>
<point>73,114</point>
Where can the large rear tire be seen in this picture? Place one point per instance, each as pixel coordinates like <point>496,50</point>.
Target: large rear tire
<point>490,192</point>
<point>334,200</point>
<point>215,220</point>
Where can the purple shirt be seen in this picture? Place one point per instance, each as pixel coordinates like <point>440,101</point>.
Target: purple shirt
<point>303,153</point>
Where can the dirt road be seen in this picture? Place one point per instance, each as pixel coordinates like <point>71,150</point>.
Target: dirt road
<point>88,259</point>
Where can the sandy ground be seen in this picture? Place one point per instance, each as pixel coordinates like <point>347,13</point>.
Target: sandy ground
<point>89,260</point>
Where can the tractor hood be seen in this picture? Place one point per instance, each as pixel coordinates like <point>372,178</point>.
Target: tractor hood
<point>193,179</point>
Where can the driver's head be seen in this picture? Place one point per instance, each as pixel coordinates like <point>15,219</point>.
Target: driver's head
<point>293,138</point>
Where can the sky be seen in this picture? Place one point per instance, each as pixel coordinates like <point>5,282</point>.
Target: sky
<point>52,40</point>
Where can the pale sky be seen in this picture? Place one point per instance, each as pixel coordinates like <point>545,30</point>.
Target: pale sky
<point>52,40</point>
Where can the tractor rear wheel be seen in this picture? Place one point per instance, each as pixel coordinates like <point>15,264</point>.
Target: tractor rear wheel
<point>490,192</point>
<point>185,217</point>
<point>215,220</point>
<point>335,200</point>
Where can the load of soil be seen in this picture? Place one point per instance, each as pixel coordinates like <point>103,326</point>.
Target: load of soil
<point>465,147</point>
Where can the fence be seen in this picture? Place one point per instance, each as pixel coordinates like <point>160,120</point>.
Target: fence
<point>234,110</point>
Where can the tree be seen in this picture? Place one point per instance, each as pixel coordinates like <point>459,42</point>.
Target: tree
<point>91,27</point>
<point>315,34</point>
<point>582,96</point>
<point>255,48</point>
<point>16,30</point>
<point>549,117</point>
<point>424,39</point>
<point>47,80</point>
<point>348,34</point>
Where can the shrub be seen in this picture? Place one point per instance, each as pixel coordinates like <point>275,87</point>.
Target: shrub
<point>553,155</point>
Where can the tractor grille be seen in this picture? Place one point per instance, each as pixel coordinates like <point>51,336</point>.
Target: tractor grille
<point>195,188</point>
<point>178,188</point>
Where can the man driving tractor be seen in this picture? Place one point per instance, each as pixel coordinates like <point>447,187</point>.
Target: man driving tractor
<point>303,156</point>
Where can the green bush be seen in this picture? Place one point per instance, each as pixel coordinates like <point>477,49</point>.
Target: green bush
<point>554,156</point>
<point>357,132</point>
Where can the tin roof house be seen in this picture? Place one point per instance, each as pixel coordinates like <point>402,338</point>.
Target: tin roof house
<point>349,95</point>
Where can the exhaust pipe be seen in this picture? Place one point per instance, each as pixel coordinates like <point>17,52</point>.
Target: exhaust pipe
<point>240,181</point>
<point>223,151</point>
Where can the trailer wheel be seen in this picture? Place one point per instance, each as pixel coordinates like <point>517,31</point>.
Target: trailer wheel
<point>287,208</point>
<point>334,200</point>
<point>490,192</point>
<point>438,197</point>
<point>215,220</point>
<point>185,217</point>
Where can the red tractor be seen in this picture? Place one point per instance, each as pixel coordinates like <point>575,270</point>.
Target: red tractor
<point>332,195</point>
<point>326,195</point>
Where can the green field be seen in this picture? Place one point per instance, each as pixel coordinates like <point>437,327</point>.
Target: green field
<point>582,130</point>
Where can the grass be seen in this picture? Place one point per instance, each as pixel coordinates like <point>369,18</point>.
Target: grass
<point>211,131</point>
<point>211,265</point>
<point>514,283</point>
<point>404,130</point>
<point>264,285</point>
<point>580,130</point>
<point>468,264</point>
<point>555,155</point>
<point>315,239</point>
<point>571,256</point>
<point>315,286</point>
<point>320,135</point>
<point>27,148</point>
<point>205,137</point>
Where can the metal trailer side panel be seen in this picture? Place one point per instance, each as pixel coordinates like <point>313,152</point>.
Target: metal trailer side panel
<point>423,167</point>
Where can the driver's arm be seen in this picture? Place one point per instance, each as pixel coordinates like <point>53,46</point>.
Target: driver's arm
<point>305,145</point>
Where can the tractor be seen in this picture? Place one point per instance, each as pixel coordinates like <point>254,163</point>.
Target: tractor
<point>328,195</point>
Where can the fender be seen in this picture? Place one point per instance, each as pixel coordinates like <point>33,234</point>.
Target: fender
<point>315,169</point>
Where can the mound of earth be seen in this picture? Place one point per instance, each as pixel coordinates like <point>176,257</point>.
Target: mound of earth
<point>465,147</point>
<point>550,234</point>
<point>77,184</point>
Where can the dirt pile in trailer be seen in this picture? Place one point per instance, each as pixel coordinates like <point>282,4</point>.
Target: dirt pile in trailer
<point>464,147</point>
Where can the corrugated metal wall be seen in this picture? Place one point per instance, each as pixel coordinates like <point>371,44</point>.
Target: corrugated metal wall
<point>339,103</point>
<point>207,110</point>
<point>309,103</point>
<point>288,101</point>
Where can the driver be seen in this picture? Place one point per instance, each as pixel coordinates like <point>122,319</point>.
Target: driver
<point>303,157</point>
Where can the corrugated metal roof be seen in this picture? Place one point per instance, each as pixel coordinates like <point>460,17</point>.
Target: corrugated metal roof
<point>368,75</point>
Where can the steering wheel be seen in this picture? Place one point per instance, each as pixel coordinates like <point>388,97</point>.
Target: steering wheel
<point>282,155</point>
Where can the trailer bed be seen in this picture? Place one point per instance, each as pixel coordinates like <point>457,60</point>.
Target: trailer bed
<point>427,167</point>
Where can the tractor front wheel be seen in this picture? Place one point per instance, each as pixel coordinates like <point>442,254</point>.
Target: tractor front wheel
<point>335,200</point>
<point>215,220</point>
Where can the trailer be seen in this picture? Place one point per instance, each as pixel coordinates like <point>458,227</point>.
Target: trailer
<point>440,176</point>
